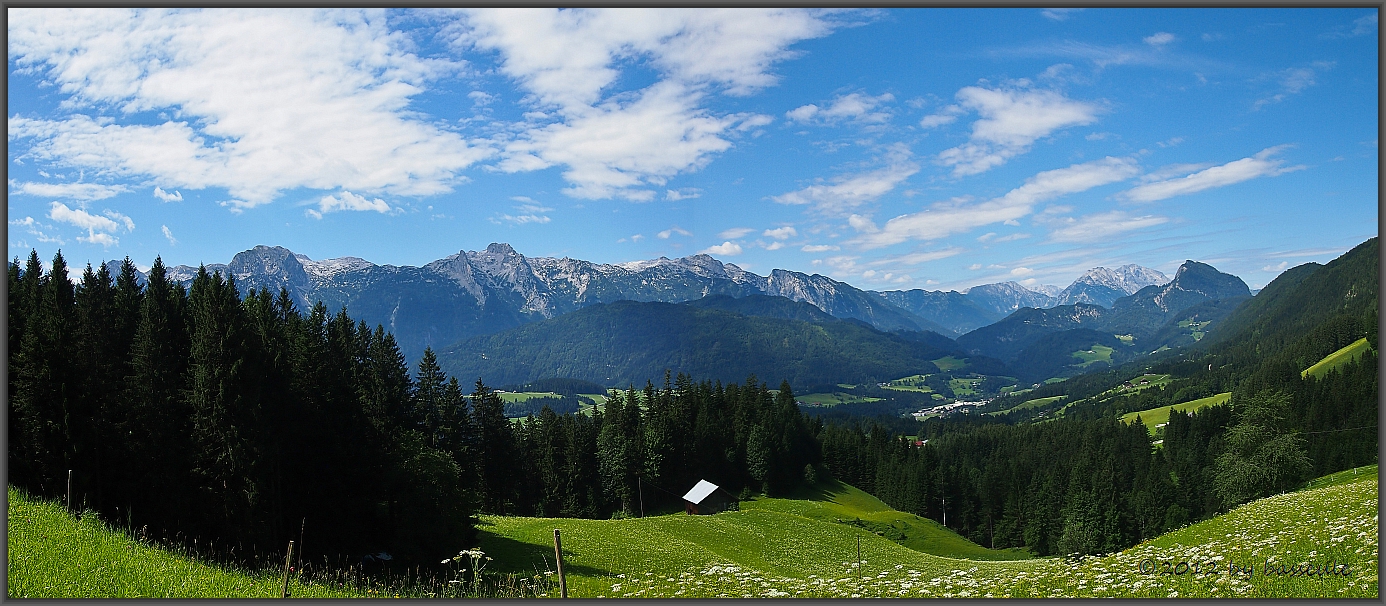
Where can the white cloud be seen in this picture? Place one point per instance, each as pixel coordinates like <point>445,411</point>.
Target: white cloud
<point>522,219</point>
<point>1259,165</point>
<point>169,234</point>
<point>947,115</point>
<point>727,249</point>
<point>61,213</point>
<point>990,237</point>
<point>955,216</point>
<point>1101,227</point>
<point>1292,81</point>
<point>813,248</point>
<point>614,142</point>
<point>776,245</point>
<point>735,232</point>
<point>224,76</point>
<point>1059,14</point>
<point>104,239</point>
<point>617,150</point>
<point>1011,120</point>
<point>1364,25</point>
<point>97,227</point>
<point>854,106</point>
<point>1159,39</point>
<point>686,193</point>
<point>81,192</point>
<point>780,233</point>
<point>1022,271</point>
<point>1276,267</point>
<point>119,218</point>
<point>915,258</point>
<point>850,191</point>
<point>664,235</point>
<point>346,201</point>
<point>32,226</point>
<point>176,196</point>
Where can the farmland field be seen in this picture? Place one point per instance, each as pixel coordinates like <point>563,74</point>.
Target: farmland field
<point>949,363</point>
<point>524,396</point>
<point>1035,403</point>
<point>1159,416</point>
<point>833,399</point>
<point>964,387</point>
<point>1342,356</point>
<point>913,383</point>
<point>1098,353</point>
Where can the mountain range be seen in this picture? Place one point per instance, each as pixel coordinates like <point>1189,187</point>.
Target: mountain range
<point>1038,342</point>
<point>476,293</point>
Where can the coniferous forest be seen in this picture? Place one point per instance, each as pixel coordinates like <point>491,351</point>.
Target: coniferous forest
<point>244,421</point>
<point>238,419</point>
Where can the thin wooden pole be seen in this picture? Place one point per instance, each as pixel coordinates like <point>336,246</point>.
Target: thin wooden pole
<point>858,558</point>
<point>288,557</point>
<point>640,489</point>
<point>558,555</point>
<point>69,491</point>
<point>301,525</point>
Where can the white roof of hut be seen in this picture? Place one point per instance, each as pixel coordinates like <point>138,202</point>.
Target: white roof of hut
<point>700,492</point>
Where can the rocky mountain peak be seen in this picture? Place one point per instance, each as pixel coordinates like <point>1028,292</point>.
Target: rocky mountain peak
<point>270,264</point>
<point>500,248</point>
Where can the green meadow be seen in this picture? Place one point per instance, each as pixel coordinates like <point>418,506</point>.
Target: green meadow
<point>1155,417</point>
<point>1098,353</point>
<point>1318,542</point>
<point>52,555</point>
<point>833,399</point>
<point>511,397</point>
<point>949,363</point>
<point>1035,403</point>
<point>1333,360</point>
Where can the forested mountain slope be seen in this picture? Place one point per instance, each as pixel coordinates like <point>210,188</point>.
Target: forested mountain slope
<point>629,342</point>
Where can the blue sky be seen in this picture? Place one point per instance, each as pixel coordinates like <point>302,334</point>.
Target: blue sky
<point>891,149</point>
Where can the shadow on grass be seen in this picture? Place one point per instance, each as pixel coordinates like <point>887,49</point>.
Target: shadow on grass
<point>519,557</point>
<point>823,490</point>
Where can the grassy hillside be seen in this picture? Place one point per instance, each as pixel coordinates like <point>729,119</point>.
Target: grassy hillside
<point>1333,360</point>
<point>787,547</point>
<point>766,551</point>
<point>678,555</point>
<point>845,504</point>
<point>1159,416</point>
<point>52,555</point>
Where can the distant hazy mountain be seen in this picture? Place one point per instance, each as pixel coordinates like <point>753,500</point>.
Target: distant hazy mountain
<point>484,292</point>
<point>982,305</point>
<point>1006,297</point>
<point>952,310</point>
<point>1027,339</point>
<point>1102,286</point>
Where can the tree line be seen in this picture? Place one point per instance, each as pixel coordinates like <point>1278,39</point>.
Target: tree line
<point>243,420</point>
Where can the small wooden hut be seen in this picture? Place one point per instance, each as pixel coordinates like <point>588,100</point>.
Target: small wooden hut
<point>706,498</point>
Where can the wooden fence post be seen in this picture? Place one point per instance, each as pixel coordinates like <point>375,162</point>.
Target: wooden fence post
<point>558,555</point>
<point>288,558</point>
<point>69,491</point>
